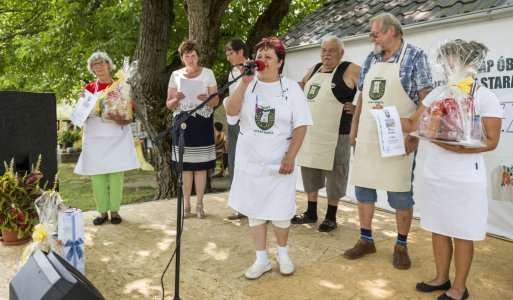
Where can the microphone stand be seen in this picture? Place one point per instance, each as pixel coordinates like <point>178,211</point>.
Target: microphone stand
<point>179,122</point>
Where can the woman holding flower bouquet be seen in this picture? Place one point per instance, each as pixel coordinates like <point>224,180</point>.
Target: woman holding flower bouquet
<point>200,149</point>
<point>107,145</point>
<point>455,202</point>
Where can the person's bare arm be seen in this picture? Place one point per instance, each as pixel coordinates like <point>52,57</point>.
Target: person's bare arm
<point>213,102</point>
<point>351,78</point>
<point>233,103</point>
<point>305,78</point>
<point>411,143</point>
<point>173,98</point>
<point>288,161</point>
<point>356,120</point>
<point>118,118</point>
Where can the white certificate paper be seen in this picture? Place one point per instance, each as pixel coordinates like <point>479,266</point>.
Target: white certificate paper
<point>191,89</point>
<point>83,108</point>
<point>391,141</point>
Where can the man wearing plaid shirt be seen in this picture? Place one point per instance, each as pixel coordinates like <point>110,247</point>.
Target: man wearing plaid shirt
<point>394,74</point>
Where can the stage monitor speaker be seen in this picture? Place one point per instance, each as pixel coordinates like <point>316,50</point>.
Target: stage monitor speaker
<point>28,128</point>
<point>50,277</point>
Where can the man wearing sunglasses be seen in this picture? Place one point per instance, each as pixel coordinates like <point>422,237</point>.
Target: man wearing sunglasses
<point>394,74</point>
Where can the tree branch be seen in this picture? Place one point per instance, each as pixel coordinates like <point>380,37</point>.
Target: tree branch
<point>268,22</point>
<point>23,33</point>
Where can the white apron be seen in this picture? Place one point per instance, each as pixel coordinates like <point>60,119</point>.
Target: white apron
<point>258,190</point>
<point>455,201</point>
<point>106,148</point>
<point>320,142</point>
<point>382,84</point>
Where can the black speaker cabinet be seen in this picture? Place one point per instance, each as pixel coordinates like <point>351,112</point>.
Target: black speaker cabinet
<point>28,128</point>
<point>50,277</point>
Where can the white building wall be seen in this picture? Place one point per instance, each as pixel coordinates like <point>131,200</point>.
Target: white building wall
<point>478,27</point>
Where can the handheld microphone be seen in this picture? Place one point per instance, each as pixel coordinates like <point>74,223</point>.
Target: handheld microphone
<point>251,65</point>
<point>260,65</point>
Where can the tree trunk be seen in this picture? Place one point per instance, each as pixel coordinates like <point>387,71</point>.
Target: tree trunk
<point>151,90</point>
<point>204,27</point>
<point>268,22</point>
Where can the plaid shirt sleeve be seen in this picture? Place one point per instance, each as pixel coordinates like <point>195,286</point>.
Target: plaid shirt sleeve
<point>422,69</point>
<point>365,68</point>
<point>415,72</point>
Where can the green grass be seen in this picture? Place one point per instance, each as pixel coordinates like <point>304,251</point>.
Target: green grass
<point>76,190</point>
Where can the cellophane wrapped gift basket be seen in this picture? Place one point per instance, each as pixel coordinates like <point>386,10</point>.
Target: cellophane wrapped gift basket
<point>44,237</point>
<point>453,117</point>
<point>117,98</point>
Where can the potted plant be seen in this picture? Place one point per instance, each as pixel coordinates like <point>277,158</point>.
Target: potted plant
<point>67,137</point>
<point>17,195</point>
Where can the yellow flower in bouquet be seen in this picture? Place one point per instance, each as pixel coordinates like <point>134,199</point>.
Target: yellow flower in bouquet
<point>39,233</point>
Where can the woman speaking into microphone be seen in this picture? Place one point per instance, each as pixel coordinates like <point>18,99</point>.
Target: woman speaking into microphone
<point>273,116</point>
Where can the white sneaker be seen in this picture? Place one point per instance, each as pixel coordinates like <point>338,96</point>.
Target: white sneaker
<point>286,265</point>
<point>257,269</point>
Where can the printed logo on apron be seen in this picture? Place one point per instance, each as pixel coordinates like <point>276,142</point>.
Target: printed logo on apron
<point>313,91</point>
<point>264,118</point>
<point>377,89</point>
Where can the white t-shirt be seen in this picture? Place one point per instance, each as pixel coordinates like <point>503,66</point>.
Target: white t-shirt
<point>234,73</point>
<point>208,79</point>
<point>287,89</point>
<point>206,75</point>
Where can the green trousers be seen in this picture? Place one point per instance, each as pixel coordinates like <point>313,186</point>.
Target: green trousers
<point>108,190</point>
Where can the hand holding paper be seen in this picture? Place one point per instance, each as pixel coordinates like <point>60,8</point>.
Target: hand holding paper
<point>390,133</point>
<point>83,108</point>
<point>191,89</point>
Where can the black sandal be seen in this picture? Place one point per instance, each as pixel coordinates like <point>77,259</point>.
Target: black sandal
<point>302,219</point>
<point>327,225</point>
<point>100,220</point>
